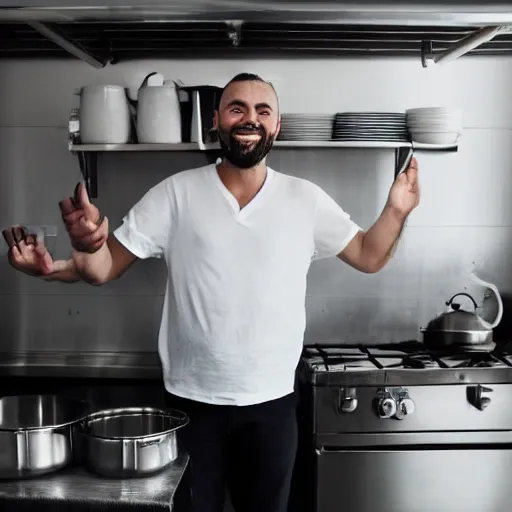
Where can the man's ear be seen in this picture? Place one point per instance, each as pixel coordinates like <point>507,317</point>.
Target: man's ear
<point>216,120</point>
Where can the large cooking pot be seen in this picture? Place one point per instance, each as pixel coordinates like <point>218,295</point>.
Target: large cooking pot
<point>458,328</point>
<point>36,434</point>
<point>130,442</point>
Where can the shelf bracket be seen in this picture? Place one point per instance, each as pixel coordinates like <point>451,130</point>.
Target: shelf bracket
<point>67,44</point>
<point>401,155</point>
<point>462,47</point>
<point>88,161</point>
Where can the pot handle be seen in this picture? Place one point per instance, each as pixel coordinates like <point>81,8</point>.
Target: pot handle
<point>496,292</point>
<point>450,302</point>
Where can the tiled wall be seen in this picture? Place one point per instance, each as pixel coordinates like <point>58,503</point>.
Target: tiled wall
<point>465,215</point>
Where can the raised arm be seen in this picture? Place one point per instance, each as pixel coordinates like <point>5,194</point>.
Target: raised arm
<point>97,257</point>
<point>369,252</point>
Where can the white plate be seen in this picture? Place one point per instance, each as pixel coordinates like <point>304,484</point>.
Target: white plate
<point>435,137</point>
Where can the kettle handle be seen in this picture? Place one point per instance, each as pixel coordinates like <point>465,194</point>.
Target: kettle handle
<point>496,292</point>
<point>450,302</point>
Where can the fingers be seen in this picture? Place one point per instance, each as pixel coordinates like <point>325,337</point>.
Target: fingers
<point>72,208</point>
<point>76,195</point>
<point>82,220</point>
<point>412,171</point>
<point>82,196</point>
<point>81,228</point>
<point>17,236</point>
<point>82,201</point>
<point>32,240</point>
<point>40,248</point>
<point>93,239</point>
<point>9,239</point>
<point>70,218</point>
<point>67,206</point>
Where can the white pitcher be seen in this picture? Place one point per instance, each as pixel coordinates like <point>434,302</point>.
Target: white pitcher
<point>104,115</point>
<point>158,113</point>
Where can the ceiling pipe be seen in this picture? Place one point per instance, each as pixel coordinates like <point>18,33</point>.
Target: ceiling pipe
<point>464,46</point>
<point>70,46</point>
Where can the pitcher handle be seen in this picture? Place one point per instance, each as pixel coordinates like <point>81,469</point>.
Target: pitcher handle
<point>496,292</point>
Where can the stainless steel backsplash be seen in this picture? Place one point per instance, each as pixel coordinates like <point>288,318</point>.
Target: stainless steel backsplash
<point>465,216</point>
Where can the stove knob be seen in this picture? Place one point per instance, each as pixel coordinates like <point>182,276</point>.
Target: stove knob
<point>405,406</point>
<point>386,408</point>
<point>408,406</point>
<point>347,400</point>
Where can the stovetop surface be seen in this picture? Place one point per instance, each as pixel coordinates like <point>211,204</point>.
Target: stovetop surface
<point>408,360</point>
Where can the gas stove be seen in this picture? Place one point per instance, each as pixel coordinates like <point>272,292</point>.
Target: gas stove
<point>400,416</point>
<point>408,363</point>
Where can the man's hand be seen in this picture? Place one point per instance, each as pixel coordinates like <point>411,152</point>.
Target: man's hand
<point>28,254</point>
<point>404,195</point>
<point>87,231</point>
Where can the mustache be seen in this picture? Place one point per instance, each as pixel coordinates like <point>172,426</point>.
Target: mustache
<point>248,128</point>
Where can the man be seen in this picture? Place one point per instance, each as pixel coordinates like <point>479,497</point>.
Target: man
<point>238,239</point>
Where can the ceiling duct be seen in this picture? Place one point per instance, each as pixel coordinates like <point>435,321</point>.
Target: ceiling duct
<point>129,29</point>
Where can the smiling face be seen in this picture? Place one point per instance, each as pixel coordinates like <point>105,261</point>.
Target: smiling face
<point>247,122</point>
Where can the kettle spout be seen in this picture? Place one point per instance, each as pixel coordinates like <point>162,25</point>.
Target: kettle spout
<point>496,292</point>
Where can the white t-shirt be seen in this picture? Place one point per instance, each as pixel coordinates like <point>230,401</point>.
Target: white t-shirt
<point>234,312</point>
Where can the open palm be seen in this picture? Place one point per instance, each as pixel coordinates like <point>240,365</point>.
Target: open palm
<point>27,253</point>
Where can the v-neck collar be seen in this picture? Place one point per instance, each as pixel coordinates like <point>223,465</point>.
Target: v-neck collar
<point>242,213</point>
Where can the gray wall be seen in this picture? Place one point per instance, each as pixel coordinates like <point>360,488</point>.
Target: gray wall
<point>464,217</point>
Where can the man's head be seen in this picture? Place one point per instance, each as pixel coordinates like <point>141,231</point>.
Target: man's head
<point>247,120</point>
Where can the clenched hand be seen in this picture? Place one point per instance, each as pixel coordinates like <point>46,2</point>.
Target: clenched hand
<point>87,231</point>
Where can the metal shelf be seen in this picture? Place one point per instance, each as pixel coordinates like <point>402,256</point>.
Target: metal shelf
<point>88,153</point>
<point>99,148</point>
<point>194,146</point>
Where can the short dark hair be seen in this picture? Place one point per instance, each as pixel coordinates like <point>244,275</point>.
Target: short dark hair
<point>245,77</point>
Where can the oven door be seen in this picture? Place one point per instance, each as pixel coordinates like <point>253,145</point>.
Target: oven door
<point>401,480</point>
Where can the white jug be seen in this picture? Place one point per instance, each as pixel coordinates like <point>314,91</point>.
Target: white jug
<point>158,114</point>
<point>104,115</point>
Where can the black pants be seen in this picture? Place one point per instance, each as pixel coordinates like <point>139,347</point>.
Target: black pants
<point>250,449</point>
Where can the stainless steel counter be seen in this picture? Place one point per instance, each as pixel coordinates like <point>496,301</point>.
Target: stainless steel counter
<point>77,489</point>
<point>51,363</point>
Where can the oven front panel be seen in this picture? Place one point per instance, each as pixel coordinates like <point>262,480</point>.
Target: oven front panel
<point>451,480</point>
<point>447,408</point>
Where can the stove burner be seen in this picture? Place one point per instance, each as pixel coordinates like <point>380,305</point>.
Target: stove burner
<point>403,356</point>
<point>474,360</point>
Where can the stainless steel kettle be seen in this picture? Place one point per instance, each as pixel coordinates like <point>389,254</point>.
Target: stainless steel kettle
<point>458,328</point>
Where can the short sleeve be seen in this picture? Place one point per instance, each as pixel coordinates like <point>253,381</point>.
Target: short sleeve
<point>145,230</point>
<point>333,227</point>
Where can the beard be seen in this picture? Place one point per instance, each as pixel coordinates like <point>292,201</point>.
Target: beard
<point>242,154</point>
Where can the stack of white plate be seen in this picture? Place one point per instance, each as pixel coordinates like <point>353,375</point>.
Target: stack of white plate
<point>370,126</point>
<point>297,127</point>
<point>434,125</point>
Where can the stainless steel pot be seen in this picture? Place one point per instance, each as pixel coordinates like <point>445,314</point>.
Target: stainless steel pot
<point>36,434</point>
<point>130,442</point>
